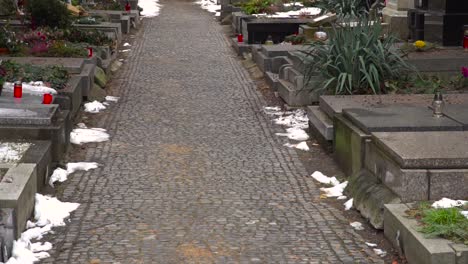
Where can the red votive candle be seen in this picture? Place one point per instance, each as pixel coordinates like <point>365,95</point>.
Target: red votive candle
<point>128,7</point>
<point>465,42</point>
<point>90,52</point>
<point>240,38</point>
<point>47,99</point>
<point>18,90</point>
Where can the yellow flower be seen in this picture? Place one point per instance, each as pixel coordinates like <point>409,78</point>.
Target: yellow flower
<point>420,44</point>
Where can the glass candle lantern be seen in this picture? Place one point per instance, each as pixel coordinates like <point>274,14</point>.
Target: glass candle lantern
<point>18,90</point>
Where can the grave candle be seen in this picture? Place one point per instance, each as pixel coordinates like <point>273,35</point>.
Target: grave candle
<point>18,90</point>
<point>465,40</point>
<point>47,99</point>
<point>240,38</point>
<point>90,52</point>
<point>128,7</point>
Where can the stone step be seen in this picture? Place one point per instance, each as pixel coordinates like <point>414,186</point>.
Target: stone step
<point>293,96</point>
<point>320,122</point>
<point>272,80</point>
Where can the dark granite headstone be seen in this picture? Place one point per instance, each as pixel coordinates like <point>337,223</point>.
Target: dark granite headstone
<point>438,21</point>
<point>401,118</point>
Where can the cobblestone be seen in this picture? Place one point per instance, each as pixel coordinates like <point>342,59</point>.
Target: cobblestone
<point>194,172</point>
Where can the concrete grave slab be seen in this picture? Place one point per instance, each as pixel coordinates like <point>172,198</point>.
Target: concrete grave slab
<point>20,114</point>
<point>458,113</point>
<point>425,150</point>
<point>334,104</point>
<point>72,65</point>
<point>399,118</point>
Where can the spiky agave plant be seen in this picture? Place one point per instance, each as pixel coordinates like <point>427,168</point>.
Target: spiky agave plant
<point>357,59</point>
<point>344,9</point>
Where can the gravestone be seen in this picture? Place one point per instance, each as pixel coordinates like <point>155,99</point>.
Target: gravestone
<point>439,21</point>
<point>257,30</point>
<point>395,14</point>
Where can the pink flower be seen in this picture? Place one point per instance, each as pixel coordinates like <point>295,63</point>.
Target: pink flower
<point>465,72</point>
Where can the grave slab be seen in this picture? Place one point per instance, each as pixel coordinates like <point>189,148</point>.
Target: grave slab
<point>399,118</point>
<point>74,92</point>
<point>19,114</point>
<point>428,150</point>
<point>458,113</point>
<point>72,65</point>
<point>17,191</point>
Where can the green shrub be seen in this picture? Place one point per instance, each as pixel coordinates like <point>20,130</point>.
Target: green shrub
<point>257,6</point>
<point>66,50</point>
<point>447,223</point>
<point>356,59</point>
<point>56,76</point>
<point>344,9</point>
<point>49,13</point>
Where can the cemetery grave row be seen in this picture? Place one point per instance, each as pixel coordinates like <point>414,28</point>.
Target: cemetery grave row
<point>35,124</point>
<point>392,146</point>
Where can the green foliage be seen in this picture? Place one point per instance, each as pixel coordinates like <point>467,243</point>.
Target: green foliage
<point>296,39</point>
<point>50,13</point>
<point>447,223</point>
<point>56,76</point>
<point>8,39</point>
<point>356,59</point>
<point>258,6</point>
<point>8,7</point>
<point>344,9</point>
<point>75,2</point>
<point>66,50</point>
<point>93,37</point>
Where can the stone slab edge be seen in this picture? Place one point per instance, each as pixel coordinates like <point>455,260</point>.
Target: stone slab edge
<point>402,233</point>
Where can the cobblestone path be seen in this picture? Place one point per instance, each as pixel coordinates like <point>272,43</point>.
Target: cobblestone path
<point>194,172</point>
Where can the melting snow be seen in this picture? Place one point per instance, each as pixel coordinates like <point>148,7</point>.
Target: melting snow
<point>126,44</point>
<point>94,107</point>
<point>151,8</point>
<point>349,204</point>
<point>320,177</point>
<point>380,252</point>
<point>335,191</point>
<point>210,6</point>
<point>357,226</point>
<point>448,203</point>
<point>61,175</point>
<point>49,212</point>
<point>309,11</point>
<point>31,88</point>
<point>302,146</point>
<point>341,197</point>
<point>112,98</point>
<point>12,152</point>
<point>87,135</point>
<point>371,244</point>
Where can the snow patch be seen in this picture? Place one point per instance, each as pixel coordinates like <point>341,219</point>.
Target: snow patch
<point>151,8</point>
<point>59,175</point>
<point>320,177</point>
<point>335,191</point>
<point>49,212</point>
<point>210,6</point>
<point>357,226</point>
<point>126,44</point>
<point>380,252</point>
<point>371,244</point>
<point>349,204</point>
<point>295,133</point>
<point>94,107</point>
<point>112,99</point>
<point>302,146</point>
<point>12,152</point>
<point>448,203</point>
<point>81,166</point>
<point>309,11</point>
<point>87,135</point>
